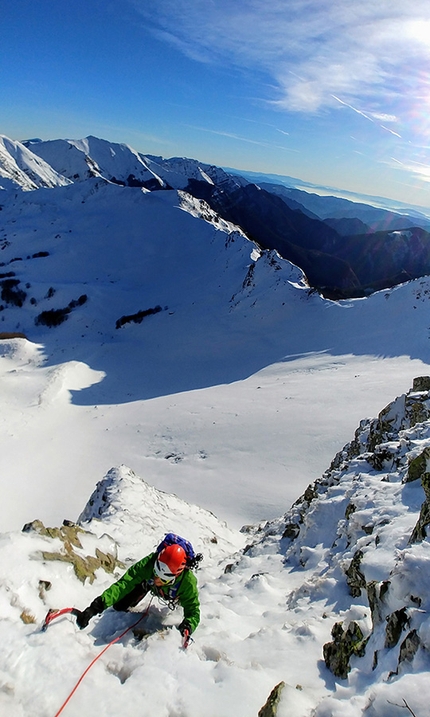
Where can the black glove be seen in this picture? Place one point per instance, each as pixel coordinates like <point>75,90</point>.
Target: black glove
<point>82,618</point>
<point>184,627</point>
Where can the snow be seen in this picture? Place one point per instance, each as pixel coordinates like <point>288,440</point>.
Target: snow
<point>197,381</point>
<point>80,159</point>
<point>216,412</point>
<point>21,169</point>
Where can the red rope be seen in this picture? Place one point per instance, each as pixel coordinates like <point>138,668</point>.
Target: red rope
<point>99,655</point>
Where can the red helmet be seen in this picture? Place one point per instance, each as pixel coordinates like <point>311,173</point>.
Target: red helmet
<point>170,562</point>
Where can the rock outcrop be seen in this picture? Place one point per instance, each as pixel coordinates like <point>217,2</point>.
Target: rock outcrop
<point>344,526</point>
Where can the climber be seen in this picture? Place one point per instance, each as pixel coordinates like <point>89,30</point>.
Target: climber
<point>165,573</point>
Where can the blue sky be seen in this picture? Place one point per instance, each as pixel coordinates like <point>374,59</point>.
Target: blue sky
<point>334,93</point>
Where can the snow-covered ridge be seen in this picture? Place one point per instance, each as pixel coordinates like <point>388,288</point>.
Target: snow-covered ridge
<point>359,537</point>
<point>92,157</point>
<point>81,159</point>
<point>22,169</point>
<point>136,514</point>
<point>78,160</point>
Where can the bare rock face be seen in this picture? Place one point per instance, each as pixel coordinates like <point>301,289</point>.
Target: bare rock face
<point>354,576</point>
<point>395,625</point>
<point>270,708</point>
<point>345,644</point>
<point>68,548</point>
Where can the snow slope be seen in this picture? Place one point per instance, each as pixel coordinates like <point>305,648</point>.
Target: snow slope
<point>22,169</point>
<point>236,394</point>
<point>268,609</point>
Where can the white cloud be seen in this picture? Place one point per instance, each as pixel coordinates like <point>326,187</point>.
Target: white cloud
<point>382,117</point>
<point>372,117</point>
<point>311,48</point>
<point>418,170</point>
<point>231,135</point>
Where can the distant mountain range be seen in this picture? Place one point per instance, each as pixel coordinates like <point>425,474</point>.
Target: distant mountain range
<point>346,249</point>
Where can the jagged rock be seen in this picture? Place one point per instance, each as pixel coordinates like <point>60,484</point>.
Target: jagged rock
<point>419,533</point>
<point>27,617</point>
<point>395,624</point>
<point>309,495</point>
<point>402,413</point>
<point>354,577</point>
<point>374,598</point>
<point>350,509</point>
<point>351,450</point>
<point>409,647</point>
<point>421,383</point>
<point>67,533</point>
<point>270,708</point>
<point>291,531</point>
<point>346,643</point>
<point>44,586</point>
<point>382,457</point>
<point>85,566</point>
<point>408,650</point>
<point>418,466</point>
<point>417,408</point>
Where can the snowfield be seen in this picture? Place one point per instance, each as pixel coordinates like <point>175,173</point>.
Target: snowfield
<point>236,394</point>
<point>271,596</point>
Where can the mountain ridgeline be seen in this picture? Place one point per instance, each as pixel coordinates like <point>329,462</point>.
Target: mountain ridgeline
<point>345,249</point>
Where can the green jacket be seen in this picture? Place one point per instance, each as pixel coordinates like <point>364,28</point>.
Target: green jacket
<point>183,589</point>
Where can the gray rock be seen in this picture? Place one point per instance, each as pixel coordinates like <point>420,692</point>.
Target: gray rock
<point>270,708</point>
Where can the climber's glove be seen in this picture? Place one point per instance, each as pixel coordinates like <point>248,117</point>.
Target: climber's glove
<point>184,628</point>
<point>82,618</point>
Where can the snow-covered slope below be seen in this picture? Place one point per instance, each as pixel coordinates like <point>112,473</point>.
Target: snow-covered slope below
<point>226,381</point>
<point>329,602</point>
<point>22,169</point>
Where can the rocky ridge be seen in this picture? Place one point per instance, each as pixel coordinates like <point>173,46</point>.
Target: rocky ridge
<point>364,526</point>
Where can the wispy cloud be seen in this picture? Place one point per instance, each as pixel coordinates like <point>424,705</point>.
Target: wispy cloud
<point>372,117</point>
<point>417,169</point>
<point>234,136</point>
<point>312,49</point>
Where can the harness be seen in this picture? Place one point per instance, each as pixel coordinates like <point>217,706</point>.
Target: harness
<point>171,597</point>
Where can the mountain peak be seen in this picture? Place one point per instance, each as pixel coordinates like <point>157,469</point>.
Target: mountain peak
<point>21,169</point>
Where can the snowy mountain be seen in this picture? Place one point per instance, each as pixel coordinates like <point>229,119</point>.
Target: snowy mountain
<point>325,609</point>
<point>127,295</point>
<point>308,230</point>
<point>92,157</point>
<point>21,169</point>
<point>141,328</point>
